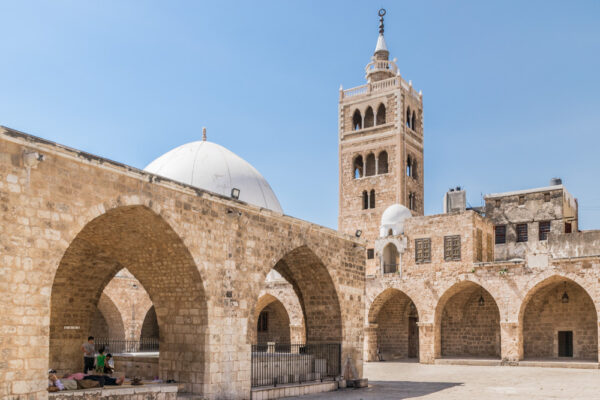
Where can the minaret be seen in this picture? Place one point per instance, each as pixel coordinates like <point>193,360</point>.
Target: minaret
<point>380,147</point>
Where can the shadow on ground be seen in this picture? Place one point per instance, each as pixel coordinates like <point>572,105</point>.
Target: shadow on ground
<point>382,390</point>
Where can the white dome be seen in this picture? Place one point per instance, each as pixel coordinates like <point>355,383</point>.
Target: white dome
<point>212,167</point>
<point>393,218</point>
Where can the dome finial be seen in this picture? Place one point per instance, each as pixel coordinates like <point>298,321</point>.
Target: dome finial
<point>381,14</point>
<point>204,134</point>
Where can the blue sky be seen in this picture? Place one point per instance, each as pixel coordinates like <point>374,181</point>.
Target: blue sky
<point>511,88</point>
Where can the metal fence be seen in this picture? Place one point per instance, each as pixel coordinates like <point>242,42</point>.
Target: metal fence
<point>277,364</point>
<point>117,346</point>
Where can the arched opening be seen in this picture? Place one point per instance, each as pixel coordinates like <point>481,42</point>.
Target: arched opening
<point>107,322</point>
<point>356,120</point>
<point>370,168</point>
<point>412,204</point>
<point>409,165</point>
<point>369,118</point>
<point>393,332</point>
<point>408,117</point>
<point>413,123</point>
<point>381,114</point>
<point>358,167</point>
<point>467,323</point>
<point>318,298</point>
<point>391,259</point>
<point>372,199</point>
<point>150,325</point>
<point>136,238</point>
<point>365,200</point>
<point>559,319</point>
<point>382,161</point>
<point>272,321</point>
<point>414,169</point>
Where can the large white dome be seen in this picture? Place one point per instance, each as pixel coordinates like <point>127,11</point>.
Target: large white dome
<point>393,219</point>
<point>212,167</point>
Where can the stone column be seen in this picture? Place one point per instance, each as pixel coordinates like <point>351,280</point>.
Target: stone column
<point>426,342</point>
<point>371,343</point>
<point>511,342</point>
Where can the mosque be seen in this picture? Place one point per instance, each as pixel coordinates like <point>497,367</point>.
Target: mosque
<point>191,273</point>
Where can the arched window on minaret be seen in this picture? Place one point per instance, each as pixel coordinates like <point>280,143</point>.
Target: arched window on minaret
<point>358,167</point>
<point>381,114</point>
<point>356,120</point>
<point>365,198</point>
<point>413,123</point>
<point>372,199</point>
<point>408,117</point>
<point>382,161</point>
<point>369,117</point>
<point>411,201</point>
<point>414,169</point>
<point>409,165</point>
<point>370,167</point>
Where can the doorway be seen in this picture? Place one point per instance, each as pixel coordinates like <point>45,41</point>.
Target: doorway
<point>565,343</point>
<point>413,337</point>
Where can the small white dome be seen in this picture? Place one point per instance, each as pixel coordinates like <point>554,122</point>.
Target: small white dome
<point>212,167</point>
<point>393,218</point>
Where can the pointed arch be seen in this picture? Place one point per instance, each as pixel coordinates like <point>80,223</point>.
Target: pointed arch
<point>357,122</point>
<point>381,117</point>
<point>370,167</point>
<point>112,317</point>
<point>558,304</point>
<point>413,123</point>
<point>382,162</point>
<point>271,321</point>
<point>408,117</point>
<point>136,238</point>
<point>358,167</point>
<point>409,165</point>
<point>369,117</point>
<point>392,332</point>
<point>150,325</point>
<point>372,199</point>
<point>467,322</point>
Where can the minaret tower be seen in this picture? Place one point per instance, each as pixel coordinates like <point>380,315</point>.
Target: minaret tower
<point>380,147</point>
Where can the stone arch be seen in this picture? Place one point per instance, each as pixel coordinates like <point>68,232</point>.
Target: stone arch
<point>369,117</point>
<point>357,122</point>
<point>544,312</point>
<point>370,165</point>
<point>150,329</point>
<point>112,317</point>
<point>390,258</point>
<point>382,162</point>
<point>136,238</point>
<point>358,167</point>
<point>277,324</point>
<point>380,114</point>
<point>392,331</point>
<point>316,293</point>
<point>467,322</point>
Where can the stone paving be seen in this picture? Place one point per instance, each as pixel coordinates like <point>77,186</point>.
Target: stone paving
<point>393,380</point>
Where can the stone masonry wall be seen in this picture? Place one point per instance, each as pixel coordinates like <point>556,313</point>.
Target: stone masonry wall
<point>202,259</point>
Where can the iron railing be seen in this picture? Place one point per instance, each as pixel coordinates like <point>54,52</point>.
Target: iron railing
<point>118,346</point>
<point>277,364</point>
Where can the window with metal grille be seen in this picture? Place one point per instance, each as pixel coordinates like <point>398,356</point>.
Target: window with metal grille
<point>521,200</point>
<point>489,247</point>
<point>500,233</point>
<point>521,232</point>
<point>479,245</point>
<point>544,229</point>
<point>263,321</point>
<point>370,254</point>
<point>422,250</point>
<point>452,248</point>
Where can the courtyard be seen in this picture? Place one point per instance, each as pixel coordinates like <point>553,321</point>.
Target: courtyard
<point>396,380</point>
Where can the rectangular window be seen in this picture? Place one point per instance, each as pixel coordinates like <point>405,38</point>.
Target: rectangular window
<point>479,245</point>
<point>544,229</point>
<point>452,248</point>
<point>568,227</point>
<point>521,232</point>
<point>489,247</point>
<point>498,203</point>
<point>422,250</point>
<point>500,233</point>
<point>521,200</point>
<point>370,254</point>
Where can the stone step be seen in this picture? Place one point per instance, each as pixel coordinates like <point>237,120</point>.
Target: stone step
<point>560,364</point>
<point>486,362</point>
